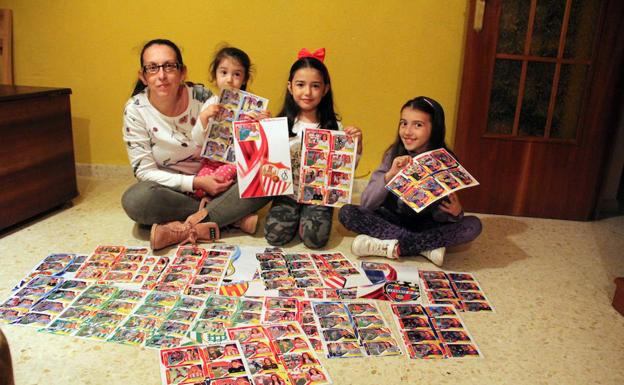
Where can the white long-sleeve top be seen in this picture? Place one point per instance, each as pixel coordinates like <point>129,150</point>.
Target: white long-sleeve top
<point>161,148</point>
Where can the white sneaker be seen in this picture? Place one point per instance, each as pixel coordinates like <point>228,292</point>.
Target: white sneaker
<point>436,255</point>
<point>364,245</point>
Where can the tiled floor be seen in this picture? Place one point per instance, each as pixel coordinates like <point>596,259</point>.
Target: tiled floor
<point>550,281</point>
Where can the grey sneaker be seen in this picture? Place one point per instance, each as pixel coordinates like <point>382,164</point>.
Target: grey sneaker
<point>436,255</point>
<point>364,245</point>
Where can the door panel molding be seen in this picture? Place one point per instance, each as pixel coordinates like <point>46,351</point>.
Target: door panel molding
<point>537,176</point>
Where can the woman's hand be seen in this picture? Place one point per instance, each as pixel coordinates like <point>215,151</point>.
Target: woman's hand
<point>355,132</point>
<point>212,184</point>
<point>452,206</point>
<point>211,112</point>
<point>397,164</point>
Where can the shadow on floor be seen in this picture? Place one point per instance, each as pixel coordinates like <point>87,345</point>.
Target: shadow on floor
<point>493,249</point>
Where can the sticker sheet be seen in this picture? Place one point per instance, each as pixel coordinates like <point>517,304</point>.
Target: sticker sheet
<point>280,354</point>
<point>107,264</point>
<point>96,312</point>
<point>237,105</point>
<point>99,263</point>
<point>162,323</point>
<point>327,171</point>
<point>74,266</point>
<point>135,266</point>
<point>452,288</point>
<point>434,331</point>
<point>280,309</point>
<point>354,329</point>
<point>287,272</point>
<point>28,305</point>
<point>298,354</point>
<point>222,312</point>
<point>319,293</point>
<point>126,301</point>
<point>53,264</point>
<point>337,270</point>
<point>217,364</point>
<point>195,271</point>
<point>263,158</point>
<point>430,176</point>
<point>261,354</point>
<point>309,325</point>
<point>122,315</point>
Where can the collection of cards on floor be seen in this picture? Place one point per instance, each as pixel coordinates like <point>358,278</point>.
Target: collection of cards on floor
<point>122,294</point>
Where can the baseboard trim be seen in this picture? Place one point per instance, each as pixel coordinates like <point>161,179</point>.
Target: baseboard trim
<point>103,170</point>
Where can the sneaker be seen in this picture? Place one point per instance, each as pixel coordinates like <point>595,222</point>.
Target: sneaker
<point>247,224</point>
<point>364,245</point>
<point>436,255</point>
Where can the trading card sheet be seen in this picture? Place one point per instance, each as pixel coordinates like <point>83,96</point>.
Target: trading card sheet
<point>354,329</point>
<point>280,352</point>
<point>237,104</point>
<point>430,176</point>
<point>454,288</point>
<point>218,364</point>
<point>327,170</point>
<point>434,331</point>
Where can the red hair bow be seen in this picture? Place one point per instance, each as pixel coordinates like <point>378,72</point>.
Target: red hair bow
<point>318,54</point>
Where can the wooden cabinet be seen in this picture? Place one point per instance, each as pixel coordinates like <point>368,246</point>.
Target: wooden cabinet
<point>37,169</point>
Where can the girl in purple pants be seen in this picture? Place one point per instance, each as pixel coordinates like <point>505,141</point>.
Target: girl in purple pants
<point>389,227</point>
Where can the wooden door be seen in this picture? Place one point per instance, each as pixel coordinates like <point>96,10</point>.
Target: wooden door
<point>538,101</point>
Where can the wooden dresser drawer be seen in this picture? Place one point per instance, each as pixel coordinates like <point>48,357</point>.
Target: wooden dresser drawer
<point>37,171</point>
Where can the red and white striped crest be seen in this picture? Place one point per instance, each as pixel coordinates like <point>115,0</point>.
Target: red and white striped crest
<point>335,281</point>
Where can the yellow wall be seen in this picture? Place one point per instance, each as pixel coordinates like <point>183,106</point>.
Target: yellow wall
<point>379,54</point>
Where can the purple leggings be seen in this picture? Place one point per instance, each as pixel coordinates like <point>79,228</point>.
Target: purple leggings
<point>427,235</point>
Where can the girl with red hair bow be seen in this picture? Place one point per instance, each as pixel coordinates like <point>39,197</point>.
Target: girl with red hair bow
<point>308,103</point>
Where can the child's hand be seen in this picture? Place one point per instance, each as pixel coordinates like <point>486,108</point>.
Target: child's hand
<point>452,205</point>
<point>255,115</point>
<point>397,164</point>
<point>263,115</point>
<point>212,184</point>
<point>210,112</point>
<point>355,132</point>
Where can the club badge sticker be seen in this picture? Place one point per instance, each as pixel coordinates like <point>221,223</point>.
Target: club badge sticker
<point>276,178</point>
<point>401,291</point>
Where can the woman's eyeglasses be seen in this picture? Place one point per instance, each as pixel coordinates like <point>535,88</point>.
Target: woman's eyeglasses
<point>167,67</point>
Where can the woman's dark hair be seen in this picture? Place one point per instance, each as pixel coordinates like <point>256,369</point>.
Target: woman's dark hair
<point>324,111</point>
<point>139,87</point>
<point>236,54</point>
<point>438,127</point>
